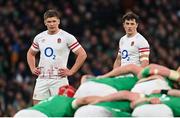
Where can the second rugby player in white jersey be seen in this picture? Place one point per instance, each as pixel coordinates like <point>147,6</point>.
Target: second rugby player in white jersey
<point>133,47</point>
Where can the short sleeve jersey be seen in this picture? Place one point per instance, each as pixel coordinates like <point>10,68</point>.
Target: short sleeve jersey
<point>54,50</point>
<point>131,48</point>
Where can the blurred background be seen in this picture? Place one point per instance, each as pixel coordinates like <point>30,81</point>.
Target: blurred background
<point>97,26</point>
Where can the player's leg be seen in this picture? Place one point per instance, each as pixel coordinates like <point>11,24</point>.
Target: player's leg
<point>29,113</point>
<point>91,88</point>
<point>55,84</point>
<point>41,90</point>
<point>92,111</point>
<point>150,110</point>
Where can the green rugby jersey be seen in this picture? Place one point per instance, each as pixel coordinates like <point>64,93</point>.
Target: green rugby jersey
<point>119,83</point>
<point>117,108</point>
<point>56,106</point>
<point>171,101</point>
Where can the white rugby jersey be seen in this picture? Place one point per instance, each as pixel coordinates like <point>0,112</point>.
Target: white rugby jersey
<point>54,51</point>
<point>131,48</point>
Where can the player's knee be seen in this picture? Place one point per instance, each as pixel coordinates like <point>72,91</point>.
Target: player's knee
<point>92,111</point>
<point>152,110</point>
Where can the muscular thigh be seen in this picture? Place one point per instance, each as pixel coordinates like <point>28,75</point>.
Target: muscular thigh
<point>41,90</point>
<point>56,84</point>
<point>45,88</point>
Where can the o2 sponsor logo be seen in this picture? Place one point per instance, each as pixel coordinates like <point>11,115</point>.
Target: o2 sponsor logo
<point>49,52</point>
<point>125,55</point>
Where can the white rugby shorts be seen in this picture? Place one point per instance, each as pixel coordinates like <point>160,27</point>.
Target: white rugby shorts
<point>91,88</point>
<point>44,88</point>
<point>29,113</point>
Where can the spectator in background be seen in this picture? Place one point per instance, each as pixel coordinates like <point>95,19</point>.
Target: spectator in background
<point>133,47</point>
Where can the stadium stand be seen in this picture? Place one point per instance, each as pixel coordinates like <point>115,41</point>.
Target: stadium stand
<point>96,24</point>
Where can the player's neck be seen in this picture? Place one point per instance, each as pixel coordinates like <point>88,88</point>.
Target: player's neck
<point>53,32</point>
<point>131,35</point>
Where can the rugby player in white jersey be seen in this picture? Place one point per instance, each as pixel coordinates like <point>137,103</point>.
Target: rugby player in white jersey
<point>133,47</point>
<point>54,46</point>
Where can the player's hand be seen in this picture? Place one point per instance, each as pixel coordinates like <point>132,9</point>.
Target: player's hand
<point>155,101</point>
<point>136,96</point>
<point>139,101</point>
<point>64,72</point>
<point>36,71</point>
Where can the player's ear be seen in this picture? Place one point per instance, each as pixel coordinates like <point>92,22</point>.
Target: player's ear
<point>137,24</point>
<point>45,23</point>
<point>124,25</point>
<point>59,21</point>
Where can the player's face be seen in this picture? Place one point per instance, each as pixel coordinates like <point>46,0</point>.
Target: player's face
<point>52,24</point>
<point>130,27</point>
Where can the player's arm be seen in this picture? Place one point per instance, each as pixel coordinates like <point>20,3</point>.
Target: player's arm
<point>171,92</point>
<point>31,56</point>
<point>81,57</point>
<point>83,101</point>
<point>154,69</point>
<point>117,61</point>
<point>144,63</point>
<point>134,98</point>
<point>144,51</point>
<point>121,95</point>
<point>130,68</point>
<point>144,57</point>
<point>174,92</point>
<point>143,100</point>
<point>31,59</point>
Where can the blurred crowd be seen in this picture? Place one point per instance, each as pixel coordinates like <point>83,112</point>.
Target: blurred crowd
<point>97,26</point>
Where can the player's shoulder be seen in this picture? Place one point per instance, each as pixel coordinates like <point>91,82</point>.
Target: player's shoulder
<point>123,38</point>
<point>141,41</point>
<point>41,34</point>
<point>140,37</point>
<point>65,33</point>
